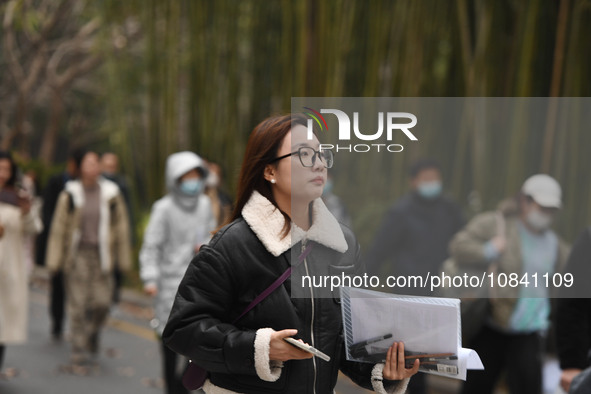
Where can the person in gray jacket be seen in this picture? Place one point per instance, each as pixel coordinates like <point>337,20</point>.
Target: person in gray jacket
<point>180,222</point>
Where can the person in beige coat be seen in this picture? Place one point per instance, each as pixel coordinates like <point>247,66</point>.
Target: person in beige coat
<point>16,222</point>
<point>520,241</point>
<point>89,235</point>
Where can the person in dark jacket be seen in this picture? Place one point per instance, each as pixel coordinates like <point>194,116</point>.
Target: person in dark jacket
<point>110,171</point>
<point>278,210</point>
<point>415,233</point>
<point>54,187</point>
<point>573,313</point>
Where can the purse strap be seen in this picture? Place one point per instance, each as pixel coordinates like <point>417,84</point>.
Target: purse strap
<point>278,282</point>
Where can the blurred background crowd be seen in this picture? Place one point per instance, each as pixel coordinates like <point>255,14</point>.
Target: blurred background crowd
<point>109,90</point>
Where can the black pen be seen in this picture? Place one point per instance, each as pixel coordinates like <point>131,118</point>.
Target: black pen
<point>359,349</point>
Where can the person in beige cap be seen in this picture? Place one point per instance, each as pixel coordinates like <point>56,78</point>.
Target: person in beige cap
<point>515,239</point>
<point>543,195</point>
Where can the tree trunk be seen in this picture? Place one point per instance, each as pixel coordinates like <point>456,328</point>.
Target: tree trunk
<point>19,124</point>
<point>559,50</point>
<point>50,134</point>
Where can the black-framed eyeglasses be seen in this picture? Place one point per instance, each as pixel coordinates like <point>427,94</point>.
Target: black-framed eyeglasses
<point>308,156</point>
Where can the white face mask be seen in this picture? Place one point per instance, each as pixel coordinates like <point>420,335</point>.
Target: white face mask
<point>538,220</point>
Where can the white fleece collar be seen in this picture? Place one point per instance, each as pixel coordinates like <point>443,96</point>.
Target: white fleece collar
<point>267,223</point>
<point>108,188</point>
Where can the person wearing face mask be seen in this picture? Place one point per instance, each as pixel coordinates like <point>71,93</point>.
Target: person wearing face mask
<point>511,338</point>
<point>180,222</point>
<point>414,234</point>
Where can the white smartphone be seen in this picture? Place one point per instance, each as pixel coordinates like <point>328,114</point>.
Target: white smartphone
<point>307,348</point>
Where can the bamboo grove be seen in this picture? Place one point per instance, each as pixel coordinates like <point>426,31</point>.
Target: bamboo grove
<point>198,74</point>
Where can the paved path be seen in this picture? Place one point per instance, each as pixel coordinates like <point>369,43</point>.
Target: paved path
<point>129,360</point>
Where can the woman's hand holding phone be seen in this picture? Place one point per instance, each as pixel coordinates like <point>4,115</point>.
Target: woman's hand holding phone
<point>279,350</point>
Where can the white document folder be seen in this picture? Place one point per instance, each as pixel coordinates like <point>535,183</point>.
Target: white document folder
<point>430,328</point>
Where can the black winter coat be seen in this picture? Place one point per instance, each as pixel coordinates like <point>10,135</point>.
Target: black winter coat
<point>573,308</point>
<point>225,277</point>
<point>413,237</point>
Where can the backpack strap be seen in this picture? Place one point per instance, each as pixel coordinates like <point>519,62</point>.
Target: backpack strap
<point>70,202</point>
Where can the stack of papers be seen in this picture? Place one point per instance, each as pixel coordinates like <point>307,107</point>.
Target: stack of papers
<point>430,328</point>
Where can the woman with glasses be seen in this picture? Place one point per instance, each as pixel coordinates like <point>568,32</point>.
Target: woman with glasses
<point>278,210</point>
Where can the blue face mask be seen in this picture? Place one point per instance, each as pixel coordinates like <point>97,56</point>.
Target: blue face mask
<point>430,190</point>
<point>191,187</point>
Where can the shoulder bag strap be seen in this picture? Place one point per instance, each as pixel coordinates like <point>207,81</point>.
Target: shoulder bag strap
<point>278,282</point>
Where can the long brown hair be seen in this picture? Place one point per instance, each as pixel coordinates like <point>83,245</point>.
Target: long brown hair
<point>11,182</point>
<point>262,147</point>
